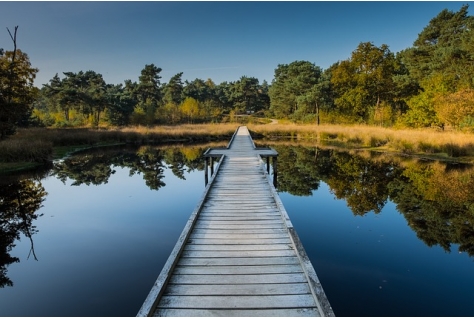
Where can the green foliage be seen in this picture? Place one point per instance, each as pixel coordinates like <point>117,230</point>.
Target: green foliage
<point>173,90</point>
<point>444,47</point>
<point>421,112</point>
<point>293,87</point>
<point>364,82</point>
<point>17,92</point>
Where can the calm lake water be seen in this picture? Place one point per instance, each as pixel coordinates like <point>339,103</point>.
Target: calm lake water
<point>387,236</point>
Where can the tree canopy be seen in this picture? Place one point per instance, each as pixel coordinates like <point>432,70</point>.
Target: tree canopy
<point>17,92</point>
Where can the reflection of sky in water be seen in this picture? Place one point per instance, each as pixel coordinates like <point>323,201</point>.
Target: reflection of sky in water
<point>99,246</point>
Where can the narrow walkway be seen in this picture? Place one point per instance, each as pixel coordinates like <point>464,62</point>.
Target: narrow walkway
<point>240,256</point>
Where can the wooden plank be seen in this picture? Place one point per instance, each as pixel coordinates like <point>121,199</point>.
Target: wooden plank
<point>239,215</point>
<point>240,231</point>
<point>238,261</point>
<point>232,302</point>
<point>229,210</point>
<point>237,227</point>
<point>202,234</point>
<point>290,312</point>
<point>229,248</point>
<point>239,241</point>
<point>241,270</point>
<point>236,290</point>
<point>253,253</point>
<point>274,222</point>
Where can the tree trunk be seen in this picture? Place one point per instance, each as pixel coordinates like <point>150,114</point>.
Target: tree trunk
<point>317,112</point>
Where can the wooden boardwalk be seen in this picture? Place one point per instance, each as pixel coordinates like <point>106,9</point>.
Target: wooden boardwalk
<point>238,254</point>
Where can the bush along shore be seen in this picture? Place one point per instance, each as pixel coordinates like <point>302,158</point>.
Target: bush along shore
<point>37,146</point>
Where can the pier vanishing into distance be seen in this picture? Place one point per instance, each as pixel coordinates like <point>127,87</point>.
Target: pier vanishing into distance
<point>238,254</point>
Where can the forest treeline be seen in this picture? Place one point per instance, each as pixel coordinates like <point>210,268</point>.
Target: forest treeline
<point>428,84</point>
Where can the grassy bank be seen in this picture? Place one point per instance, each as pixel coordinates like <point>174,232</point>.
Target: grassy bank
<point>430,142</point>
<point>40,145</point>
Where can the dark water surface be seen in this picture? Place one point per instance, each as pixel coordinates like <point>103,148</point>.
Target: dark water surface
<point>387,236</point>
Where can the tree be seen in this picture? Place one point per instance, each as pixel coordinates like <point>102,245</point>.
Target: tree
<point>120,103</point>
<point>421,108</point>
<point>198,90</point>
<point>83,91</point>
<point>95,95</point>
<point>17,92</point>
<point>148,93</point>
<point>442,62</point>
<point>149,84</point>
<point>173,90</point>
<point>245,94</point>
<point>290,82</point>
<point>317,98</point>
<point>444,46</point>
<point>456,108</point>
<point>190,109</point>
<point>364,81</point>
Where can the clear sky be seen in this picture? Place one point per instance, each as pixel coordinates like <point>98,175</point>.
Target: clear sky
<point>218,40</point>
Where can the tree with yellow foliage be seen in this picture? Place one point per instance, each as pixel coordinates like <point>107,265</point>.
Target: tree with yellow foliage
<point>456,108</point>
<point>190,109</point>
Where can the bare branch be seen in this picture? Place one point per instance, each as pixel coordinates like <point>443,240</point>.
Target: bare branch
<point>13,37</point>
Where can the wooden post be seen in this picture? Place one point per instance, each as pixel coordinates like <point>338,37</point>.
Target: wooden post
<point>268,165</point>
<point>206,177</point>
<point>275,170</point>
<point>212,166</point>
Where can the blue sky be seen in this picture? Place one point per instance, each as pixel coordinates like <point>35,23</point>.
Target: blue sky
<point>218,40</point>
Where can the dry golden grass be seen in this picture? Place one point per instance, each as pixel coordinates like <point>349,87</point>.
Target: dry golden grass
<point>409,141</point>
<point>36,144</point>
<point>184,130</point>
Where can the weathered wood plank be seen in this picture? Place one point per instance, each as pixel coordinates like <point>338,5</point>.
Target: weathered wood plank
<point>290,312</point>
<point>253,253</point>
<point>239,241</point>
<point>239,233</point>
<point>202,234</point>
<point>240,270</point>
<point>239,216</point>
<point>234,290</point>
<point>231,302</point>
<point>236,227</point>
<point>238,261</point>
<point>275,222</point>
<point>229,248</point>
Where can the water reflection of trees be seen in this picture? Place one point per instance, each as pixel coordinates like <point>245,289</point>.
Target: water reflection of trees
<point>437,199</point>
<point>19,201</point>
<point>22,195</point>
<point>96,167</point>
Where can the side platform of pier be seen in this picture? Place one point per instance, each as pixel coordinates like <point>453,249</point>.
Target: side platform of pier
<point>238,254</point>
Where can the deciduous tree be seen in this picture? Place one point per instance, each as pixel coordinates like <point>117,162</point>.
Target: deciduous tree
<point>17,92</point>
